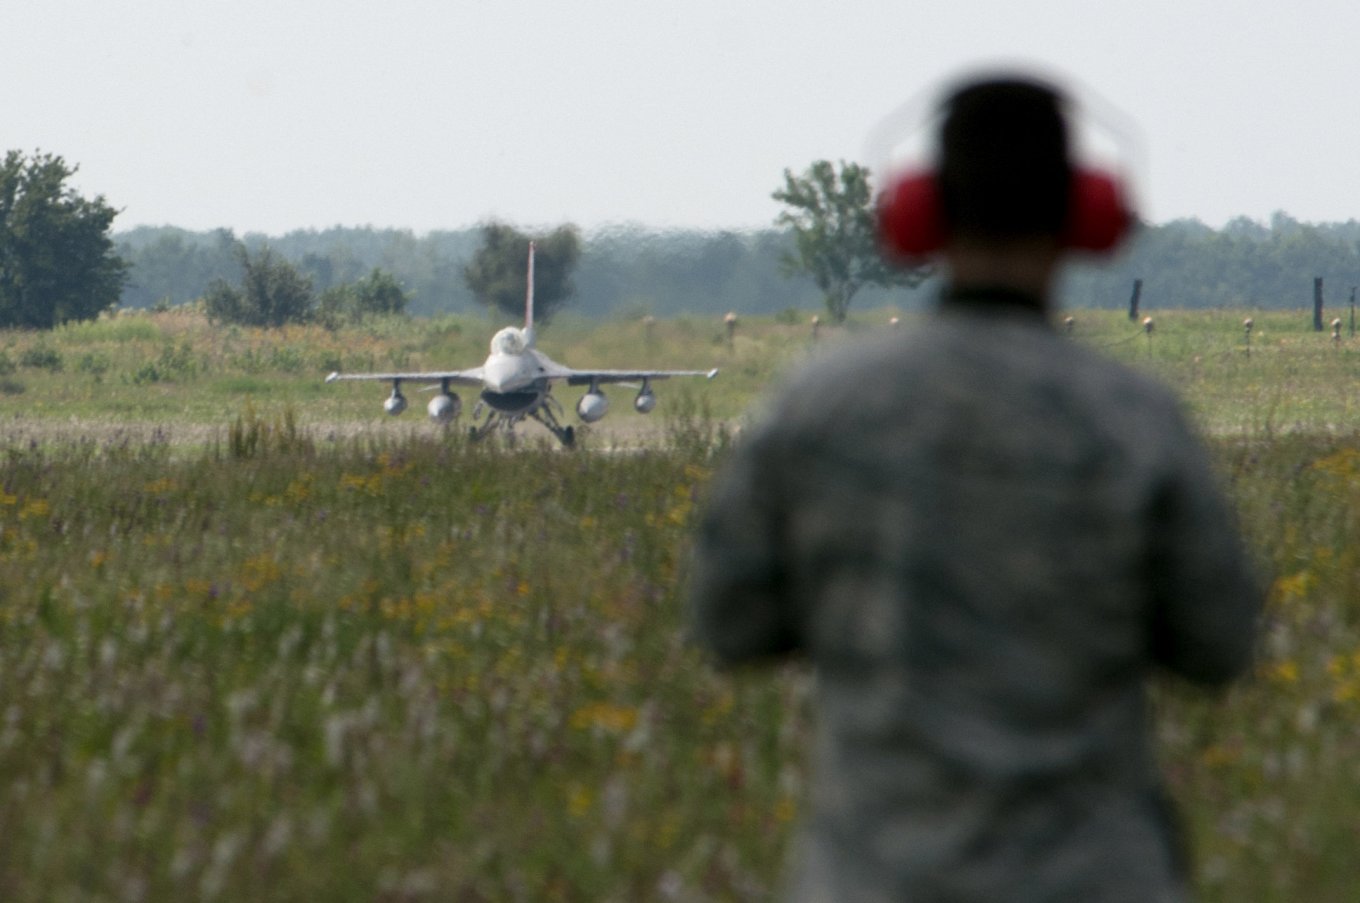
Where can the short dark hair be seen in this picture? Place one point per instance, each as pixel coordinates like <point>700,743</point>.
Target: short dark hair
<point>1004,168</point>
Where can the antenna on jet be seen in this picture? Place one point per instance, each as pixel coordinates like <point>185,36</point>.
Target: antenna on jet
<point>529,302</point>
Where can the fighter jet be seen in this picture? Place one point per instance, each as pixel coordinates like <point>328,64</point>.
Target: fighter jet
<point>516,382</point>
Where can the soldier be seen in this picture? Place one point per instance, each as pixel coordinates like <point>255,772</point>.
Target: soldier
<point>984,538</point>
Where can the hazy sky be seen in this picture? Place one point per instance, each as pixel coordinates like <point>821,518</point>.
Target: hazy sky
<point>273,115</point>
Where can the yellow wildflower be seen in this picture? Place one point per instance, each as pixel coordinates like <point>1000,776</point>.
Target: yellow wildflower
<point>1282,672</point>
<point>34,508</point>
<point>579,800</point>
<point>605,716</point>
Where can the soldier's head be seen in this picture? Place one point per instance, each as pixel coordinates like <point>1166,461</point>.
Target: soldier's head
<point>1004,199</point>
<point>1004,171</point>
<point>1003,180</point>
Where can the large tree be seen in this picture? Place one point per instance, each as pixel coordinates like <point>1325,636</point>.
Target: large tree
<point>57,261</point>
<point>831,215</point>
<point>496,275</point>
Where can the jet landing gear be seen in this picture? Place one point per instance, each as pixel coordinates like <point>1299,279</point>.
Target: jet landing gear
<point>565,434</point>
<point>543,414</point>
<point>493,420</point>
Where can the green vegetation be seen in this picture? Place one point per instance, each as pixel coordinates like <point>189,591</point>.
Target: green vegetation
<point>274,292</point>
<point>258,641</point>
<point>830,212</point>
<point>377,294</point>
<point>497,275</point>
<point>57,260</point>
<point>632,270</point>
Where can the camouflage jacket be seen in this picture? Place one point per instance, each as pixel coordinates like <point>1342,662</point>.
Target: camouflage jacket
<point>984,537</point>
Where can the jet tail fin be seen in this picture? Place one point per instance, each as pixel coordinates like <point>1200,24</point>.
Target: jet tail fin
<point>529,301</point>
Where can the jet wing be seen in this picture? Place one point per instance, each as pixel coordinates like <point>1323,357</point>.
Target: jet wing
<point>586,377</point>
<point>471,377</point>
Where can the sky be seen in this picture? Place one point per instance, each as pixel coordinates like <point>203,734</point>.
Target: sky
<point>275,115</point>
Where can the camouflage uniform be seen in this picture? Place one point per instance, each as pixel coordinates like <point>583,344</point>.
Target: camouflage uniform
<point>984,537</point>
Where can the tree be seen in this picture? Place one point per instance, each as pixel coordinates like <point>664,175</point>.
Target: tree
<point>835,233</point>
<point>57,261</point>
<point>272,292</point>
<point>496,275</point>
<point>377,294</point>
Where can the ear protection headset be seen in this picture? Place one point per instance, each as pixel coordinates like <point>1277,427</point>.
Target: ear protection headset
<point>912,224</point>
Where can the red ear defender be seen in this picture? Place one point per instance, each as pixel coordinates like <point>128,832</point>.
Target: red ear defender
<point>910,223</point>
<point>1098,216</point>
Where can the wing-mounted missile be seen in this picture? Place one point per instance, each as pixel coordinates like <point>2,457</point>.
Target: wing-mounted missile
<point>593,405</point>
<point>645,402</point>
<point>445,406</point>
<point>396,402</point>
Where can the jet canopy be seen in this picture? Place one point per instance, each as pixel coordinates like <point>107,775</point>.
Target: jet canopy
<point>508,341</point>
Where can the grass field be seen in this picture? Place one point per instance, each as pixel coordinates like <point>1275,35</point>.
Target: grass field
<point>259,642</point>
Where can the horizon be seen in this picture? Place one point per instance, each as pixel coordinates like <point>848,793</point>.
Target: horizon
<point>1266,224</point>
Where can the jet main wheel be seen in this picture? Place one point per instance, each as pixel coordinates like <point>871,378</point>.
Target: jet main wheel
<point>569,437</point>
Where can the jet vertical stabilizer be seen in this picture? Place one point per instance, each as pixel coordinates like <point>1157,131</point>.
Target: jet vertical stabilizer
<point>529,302</point>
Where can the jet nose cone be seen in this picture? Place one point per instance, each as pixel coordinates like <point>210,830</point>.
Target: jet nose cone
<point>501,374</point>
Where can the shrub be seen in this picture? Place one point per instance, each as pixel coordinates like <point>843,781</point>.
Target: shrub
<point>42,357</point>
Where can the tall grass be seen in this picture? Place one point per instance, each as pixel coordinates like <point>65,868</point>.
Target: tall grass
<point>279,663</point>
<point>1270,774</point>
<point>368,670</point>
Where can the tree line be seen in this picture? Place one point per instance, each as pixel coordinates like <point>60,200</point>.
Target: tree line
<point>634,271</point>
<point>627,270</point>
<point>60,261</point>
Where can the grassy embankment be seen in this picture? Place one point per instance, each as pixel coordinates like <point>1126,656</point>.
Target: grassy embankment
<point>286,650</point>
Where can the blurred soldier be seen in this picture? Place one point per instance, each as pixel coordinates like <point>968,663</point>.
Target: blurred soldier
<point>984,538</point>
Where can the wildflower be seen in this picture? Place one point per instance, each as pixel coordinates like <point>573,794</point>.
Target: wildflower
<point>298,490</point>
<point>1282,672</point>
<point>1295,586</point>
<point>579,800</point>
<point>1219,755</point>
<point>259,572</point>
<point>1343,465</point>
<point>34,508</point>
<point>604,716</point>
